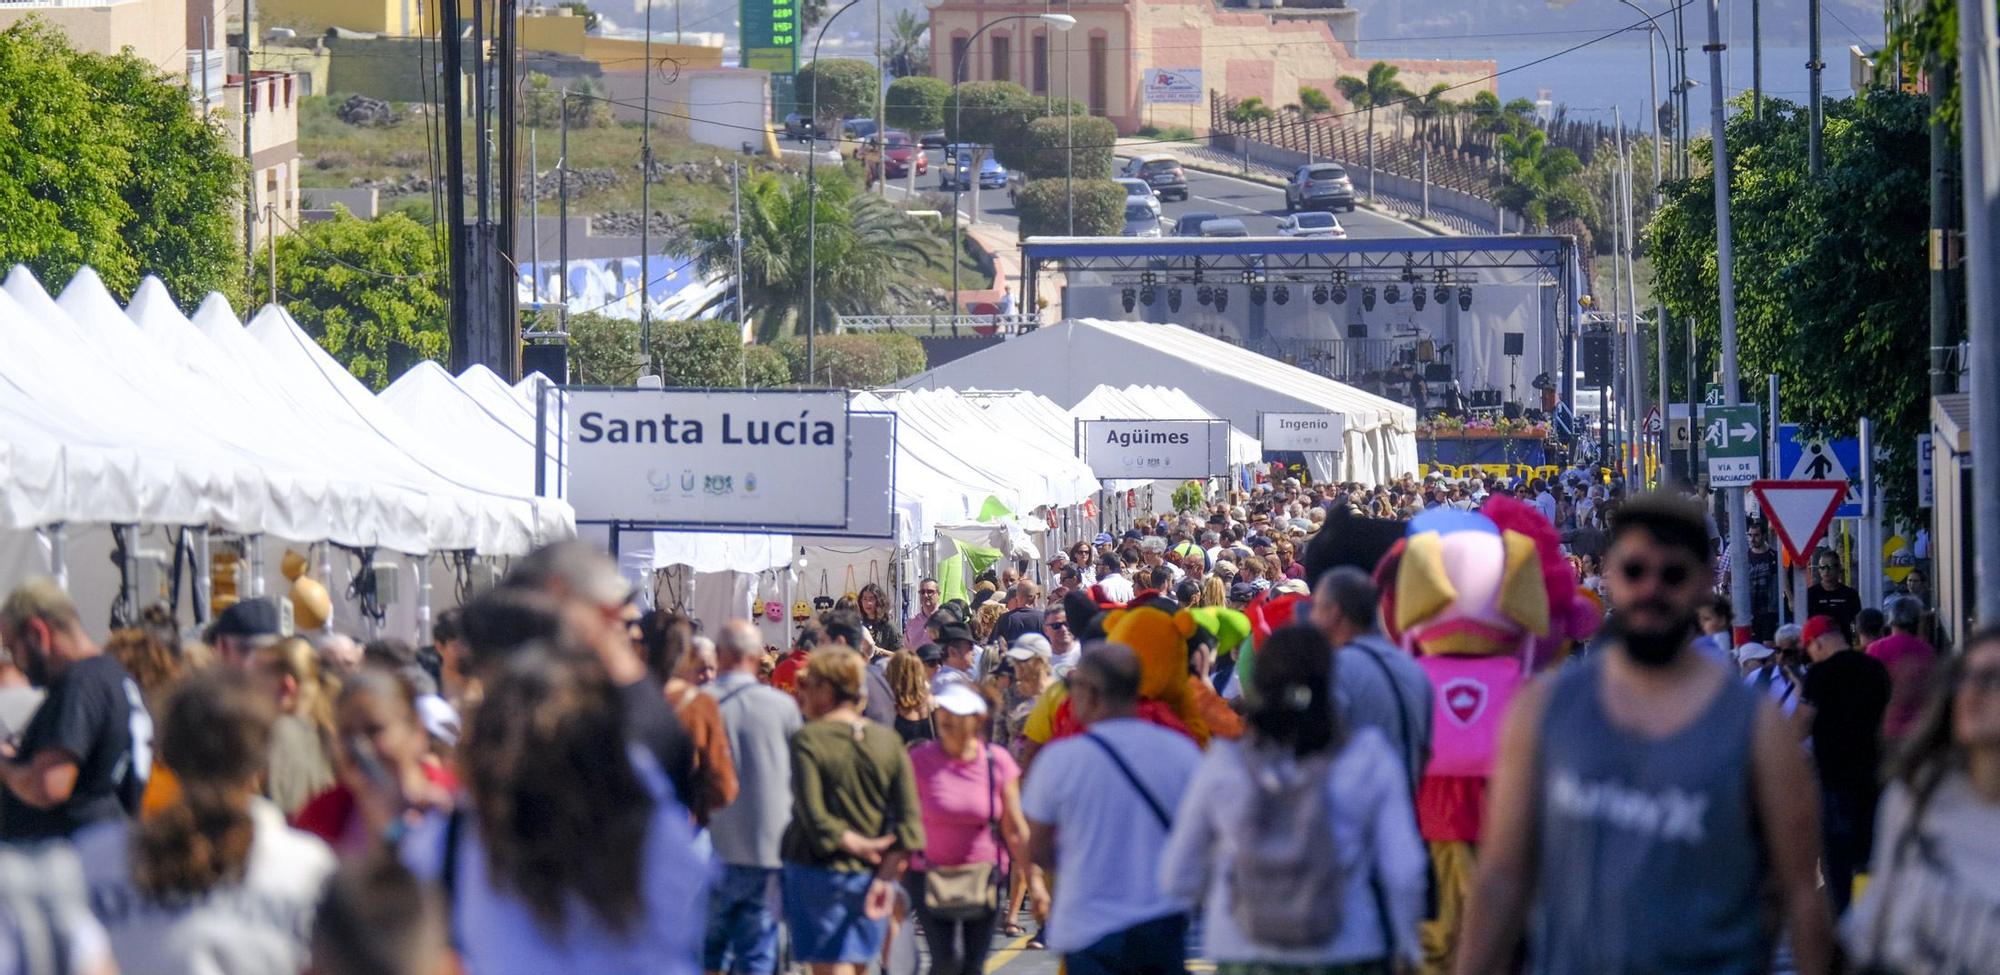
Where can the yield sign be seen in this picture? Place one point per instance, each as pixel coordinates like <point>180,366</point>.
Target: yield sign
<point>1799,511</point>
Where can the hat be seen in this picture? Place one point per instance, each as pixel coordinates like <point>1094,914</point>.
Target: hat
<point>1224,567</point>
<point>954,633</point>
<point>1133,534</point>
<point>1030,646</point>
<point>1260,541</point>
<point>249,618</point>
<point>1242,592</point>
<point>1295,587</point>
<point>440,719</point>
<point>1817,627</point>
<point>1059,556</point>
<point>1753,651</point>
<point>1103,538</point>
<point>931,653</point>
<point>1260,585</point>
<point>960,698</point>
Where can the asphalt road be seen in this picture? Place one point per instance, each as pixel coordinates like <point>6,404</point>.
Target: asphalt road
<point>1259,206</point>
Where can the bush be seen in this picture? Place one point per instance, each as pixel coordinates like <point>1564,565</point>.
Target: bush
<point>856,360</point>
<point>707,354</point>
<point>1043,210</point>
<point>846,88</point>
<point>1172,133</point>
<point>1048,143</point>
<point>917,104</point>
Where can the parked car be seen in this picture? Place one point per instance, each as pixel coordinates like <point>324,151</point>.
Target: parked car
<point>797,126</point>
<point>1311,223</point>
<point>992,175</point>
<point>1224,227</point>
<point>857,128</point>
<point>1320,186</point>
<point>1141,220</point>
<point>900,153</point>
<point>1189,224</point>
<point>1160,171</point>
<point>934,139</point>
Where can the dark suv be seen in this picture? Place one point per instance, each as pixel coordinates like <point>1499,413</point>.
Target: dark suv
<point>1162,172</point>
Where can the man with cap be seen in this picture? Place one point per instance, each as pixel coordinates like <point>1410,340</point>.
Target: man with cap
<point>1846,694</point>
<point>246,627</point>
<point>956,640</point>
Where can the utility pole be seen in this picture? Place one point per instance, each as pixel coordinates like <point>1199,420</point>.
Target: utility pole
<point>1943,262</point>
<point>646,197</point>
<point>1739,582</point>
<point>736,205</point>
<point>562,217</point>
<point>882,109</point>
<point>249,107</point>
<point>1069,141</point>
<point>504,319</point>
<point>271,246</point>
<point>1979,65</point>
<point>1815,111</point>
<point>1757,60</point>
<point>1681,120</point>
<point>535,216</point>
<point>460,265</point>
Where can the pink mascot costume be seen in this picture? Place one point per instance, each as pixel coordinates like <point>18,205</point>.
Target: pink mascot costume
<point>1482,599</point>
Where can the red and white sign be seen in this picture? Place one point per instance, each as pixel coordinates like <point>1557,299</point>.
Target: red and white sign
<point>1799,511</point>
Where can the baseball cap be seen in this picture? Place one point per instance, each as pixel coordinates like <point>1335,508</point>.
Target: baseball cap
<point>1261,541</point>
<point>1029,646</point>
<point>1103,538</point>
<point>1296,587</point>
<point>1242,592</point>
<point>250,618</point>
<point>931,653</point>
<point>1817,627</point>
<point>1224,567</point>
<point>1753,651</point>
<point>440,719</point>
<point>960,698</point>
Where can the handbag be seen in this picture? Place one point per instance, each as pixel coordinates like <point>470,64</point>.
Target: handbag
<point>822,602</point>
<point>852,592</point>
<point>967,891</point>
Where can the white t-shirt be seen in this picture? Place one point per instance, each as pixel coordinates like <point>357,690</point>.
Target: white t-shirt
<point>1107,842</point>
<point>258,926</point>
<point>1117,588</point>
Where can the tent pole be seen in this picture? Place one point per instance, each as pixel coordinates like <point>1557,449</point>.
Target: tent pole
<point>58,556</point>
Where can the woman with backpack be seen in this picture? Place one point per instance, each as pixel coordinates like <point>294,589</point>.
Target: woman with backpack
<point>1298,840</point>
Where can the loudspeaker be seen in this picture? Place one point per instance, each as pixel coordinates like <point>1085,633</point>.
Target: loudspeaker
<point>1511,411</point>
<point>549,360</point>
<point>1597,357</point>
<point>1437,372</point>
<point>1357,330</point>
<point>1426,350</point>
<point>1513,343</point>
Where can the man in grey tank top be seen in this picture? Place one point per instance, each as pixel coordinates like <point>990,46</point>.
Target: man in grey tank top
<point>1649,813</point>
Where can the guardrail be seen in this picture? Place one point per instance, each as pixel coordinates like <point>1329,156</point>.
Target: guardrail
<point>940,324</point>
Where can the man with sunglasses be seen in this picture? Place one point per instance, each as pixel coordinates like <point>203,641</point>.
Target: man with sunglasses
<point>1063,648</point>
<point>1830,595</point>
<point>1649,812</point>
<point>928,595</point>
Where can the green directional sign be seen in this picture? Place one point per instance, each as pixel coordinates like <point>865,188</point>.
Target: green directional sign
<point>1713,397</point>
<point>1732,438</point>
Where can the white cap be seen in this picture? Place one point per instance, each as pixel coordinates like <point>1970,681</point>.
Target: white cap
<point>1028,646</point>
<point>1753,651</point>
<point>439,718</point>
<point>960,698</point>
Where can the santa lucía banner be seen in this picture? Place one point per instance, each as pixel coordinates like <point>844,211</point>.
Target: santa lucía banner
<point>1154,449</point>
<point>714,459</point>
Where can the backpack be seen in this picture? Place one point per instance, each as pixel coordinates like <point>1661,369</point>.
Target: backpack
<point>1286,882</point>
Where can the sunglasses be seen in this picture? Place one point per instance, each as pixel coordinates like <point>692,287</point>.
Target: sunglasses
<point>1056,625</point>
<point>1672,573</point>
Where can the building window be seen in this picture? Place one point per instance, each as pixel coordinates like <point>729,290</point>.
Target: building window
<point>1100,71</point>
<point>957,56</point>
<point>1002,57</point>
<point>1039,54</point>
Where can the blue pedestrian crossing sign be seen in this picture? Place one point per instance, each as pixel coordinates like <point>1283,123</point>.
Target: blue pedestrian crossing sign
<point>1822,460</point>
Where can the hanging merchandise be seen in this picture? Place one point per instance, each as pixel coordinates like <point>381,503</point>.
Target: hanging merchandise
<point>767,586</point>
<point>801,612</point>
<point>852,592</point>
<point>823,601</point>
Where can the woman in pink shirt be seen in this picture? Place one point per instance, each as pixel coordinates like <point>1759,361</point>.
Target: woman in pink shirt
<point>970,791</point>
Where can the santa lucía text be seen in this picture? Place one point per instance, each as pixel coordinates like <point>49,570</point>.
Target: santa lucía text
<point>595,427</point>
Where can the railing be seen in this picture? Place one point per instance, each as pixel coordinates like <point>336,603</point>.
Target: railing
<point>1348,144</point>
<point>953,325</point>
<point>1345,360</point>
<point>61,4</point>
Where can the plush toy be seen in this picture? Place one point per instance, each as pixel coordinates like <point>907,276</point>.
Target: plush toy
<point>1160,641</point>
<point>1479,598</point>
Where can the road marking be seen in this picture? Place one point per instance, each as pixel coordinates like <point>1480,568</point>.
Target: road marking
<point>1000,958</point>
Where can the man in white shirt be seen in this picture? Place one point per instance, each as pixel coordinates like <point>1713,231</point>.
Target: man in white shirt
<point>1099,808</point>
<point>1544,501</point>
<point>742,934</point>
<point>1111,575</point>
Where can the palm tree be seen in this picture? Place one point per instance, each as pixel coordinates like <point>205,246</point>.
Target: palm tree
<point>1540,182</point>
<point>1378,90</point>
<point>1426,111</point>
<point>866,251</point>
<point>908,52</point>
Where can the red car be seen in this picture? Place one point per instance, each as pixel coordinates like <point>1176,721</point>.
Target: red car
<point>901,149</point>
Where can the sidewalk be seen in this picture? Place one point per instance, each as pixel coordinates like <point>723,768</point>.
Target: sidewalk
<point>1199,157</point>
<point>1000,244</point>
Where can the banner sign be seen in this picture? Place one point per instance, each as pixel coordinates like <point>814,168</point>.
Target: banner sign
<point>770,35</point>
<point>1154,449</point>
<point>1171,86</point>
<point>740,460</point>
<point>871,480</point>
<point>1301,431</point>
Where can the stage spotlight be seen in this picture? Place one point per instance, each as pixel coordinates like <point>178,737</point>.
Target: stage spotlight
<point>1257,295</point>
<point>1464,298</point>
<point>1417,298</point>
<point>1368,297</point>
<point>1126,297</point>
<point>1282,294</point>
<point>1340,294</point>
<point>1204,295</point>
<point>1148,295</point>
<point>1392,294</point>
<point>1173,299</point>
<point>1319,294</point>
<point>1221,299</point>
<point>1441,293</point>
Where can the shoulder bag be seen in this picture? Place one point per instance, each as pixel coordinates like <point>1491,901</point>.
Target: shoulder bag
<point>968,891</point>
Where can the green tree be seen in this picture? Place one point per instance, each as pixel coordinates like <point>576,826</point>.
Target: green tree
<point>1249,110</point>
<point>1043,209</point>
<point>990,113</point>
<point>1313,101</point>
<point>603,351</point>
<point>359,287</point>
<point>909,48</point>
<point>712,353</point>
<point>542,103</point>
<point>1378,89</point>
<point>104,163</point>
<point>1048,148</point>
<point>1824,268</point>
<point>847,88</point>
<point>1540,182</point>
<point>916,103</point>
<point>855,360</point>
<point>1430,108</point>
<point>577,8</point>
<point>866,252</point>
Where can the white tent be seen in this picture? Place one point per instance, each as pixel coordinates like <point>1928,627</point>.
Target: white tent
<point>1064,362</point>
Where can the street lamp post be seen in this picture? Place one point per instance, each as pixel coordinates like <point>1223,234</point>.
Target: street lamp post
<point>812,195</point>
<point>1061,22</point>
<point>1660,309</point>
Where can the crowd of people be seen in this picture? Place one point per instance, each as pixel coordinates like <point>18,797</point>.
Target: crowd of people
<point>1224,733</point>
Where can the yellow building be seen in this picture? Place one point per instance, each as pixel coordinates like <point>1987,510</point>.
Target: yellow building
<point>156,30</point>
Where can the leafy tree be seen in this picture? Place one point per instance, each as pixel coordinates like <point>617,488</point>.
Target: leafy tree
<point>916,103</point>
<point>1540,182</point>
<point>847,88</point>
<point>909,47</point>
<point>581,9</point>
<point>1048,147</point>
<point>991,113</point>
<point>1824,268</point>
<point>866,251</point>
<point>1249,110</point>
<point>103,162</point>
<point>712,353</point>
<point>542,104</point>
<point>1430,108</point>
<point>855,360</point>
<point>359,287</point>
<point>1043,208</point>
<point>1378,89</point>
<point>1313,101</point>
<point>604,351</point>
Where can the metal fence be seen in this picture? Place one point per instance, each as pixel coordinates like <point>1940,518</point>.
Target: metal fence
<point>940,324</point>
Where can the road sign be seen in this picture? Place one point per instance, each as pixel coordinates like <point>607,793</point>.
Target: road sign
<point>1732,440</point>
<point>1713,397</point>
<point>1653,422</point>
<point>1822,460</point>
<point>1799,511</point>
<point>1926,488</point>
